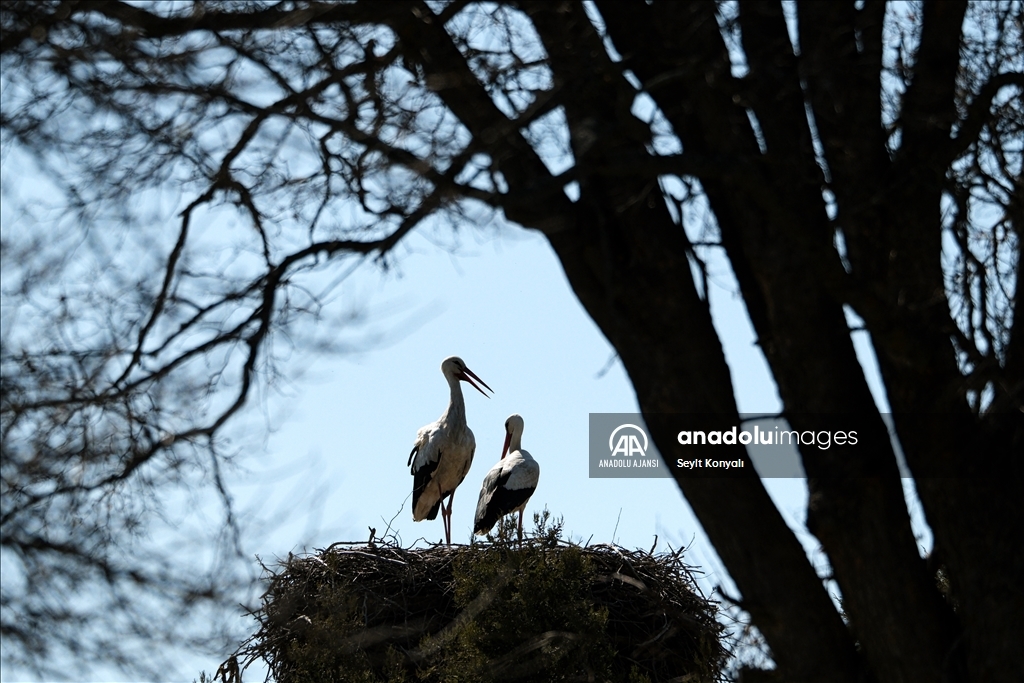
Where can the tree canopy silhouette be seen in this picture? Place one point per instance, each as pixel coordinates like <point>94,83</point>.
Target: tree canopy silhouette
<point>857,164</point>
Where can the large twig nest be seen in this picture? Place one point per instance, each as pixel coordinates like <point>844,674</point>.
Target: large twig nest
<point>549,610</point>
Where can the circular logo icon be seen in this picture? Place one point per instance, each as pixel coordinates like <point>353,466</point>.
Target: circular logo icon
<point>628,442</point>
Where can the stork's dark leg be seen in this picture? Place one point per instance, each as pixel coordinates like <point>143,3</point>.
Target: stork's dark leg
<point>520,528</point>
<point>444,513</point>
<point>448,526</point>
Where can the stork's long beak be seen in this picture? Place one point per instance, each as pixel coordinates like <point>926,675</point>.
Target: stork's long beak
<point>468,376</point>
<point>504,449</point>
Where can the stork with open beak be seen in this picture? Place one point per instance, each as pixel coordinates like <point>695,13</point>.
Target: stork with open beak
<point>509,484</point>
<point>443,450</point>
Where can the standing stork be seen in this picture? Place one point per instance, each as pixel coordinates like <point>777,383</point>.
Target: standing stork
<point>509,484</point>
<point>443,451</point>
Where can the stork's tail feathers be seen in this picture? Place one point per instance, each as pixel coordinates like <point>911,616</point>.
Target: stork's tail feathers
<point>485,522</point>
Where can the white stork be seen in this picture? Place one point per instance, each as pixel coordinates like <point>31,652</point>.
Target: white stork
<point>443,451</point>
<point>509,484</point>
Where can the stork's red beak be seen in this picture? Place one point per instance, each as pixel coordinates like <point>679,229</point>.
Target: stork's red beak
<point>504,449</point>
<point>468,376</point>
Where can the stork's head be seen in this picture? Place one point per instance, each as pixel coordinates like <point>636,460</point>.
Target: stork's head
<point>454,367</point>
<point>513,431</point>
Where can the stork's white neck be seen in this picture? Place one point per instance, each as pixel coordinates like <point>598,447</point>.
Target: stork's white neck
<point>456,404</point>
<point>515,443</point>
